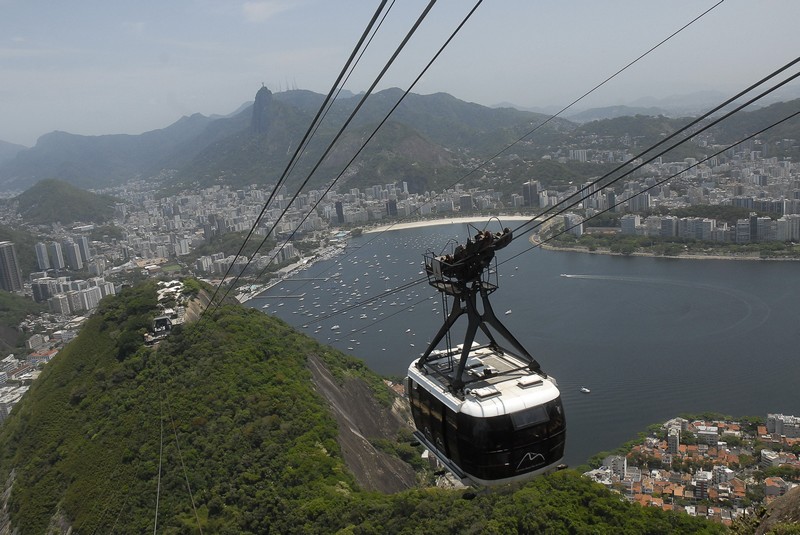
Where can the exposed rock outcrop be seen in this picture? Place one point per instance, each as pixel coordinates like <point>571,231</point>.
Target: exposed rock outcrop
<point>361,418</point>
<point>783,511</point>
<point>262,111</point>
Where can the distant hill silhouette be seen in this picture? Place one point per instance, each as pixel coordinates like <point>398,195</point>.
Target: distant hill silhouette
<point>612,112</point>
<point>429,141</point>
<point>9,150</point>
<point>206,150</point>
<point>56,201</point>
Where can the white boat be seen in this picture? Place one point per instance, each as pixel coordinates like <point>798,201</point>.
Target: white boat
<point>335,327</point>
<point>585,390</point>
<point>508,312</point>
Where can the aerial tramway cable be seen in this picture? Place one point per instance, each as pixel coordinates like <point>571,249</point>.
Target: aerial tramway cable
<point>347,122</point>
<point>518,140</point>
<point>571,199</point>
<point>306,137</point>
<point>372,135</point>
<point>641,154</point>
<point>540,125</point>
<point>659,183</point>
<point>160,442</point>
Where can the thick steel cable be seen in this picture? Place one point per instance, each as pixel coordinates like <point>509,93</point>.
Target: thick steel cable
<point>549,119</point>
<point>372,135</point>
<point>642,154</point>
<point>303,143</point>
<point>659,183</point>
<point>338,134</point>
<point>713,123</point>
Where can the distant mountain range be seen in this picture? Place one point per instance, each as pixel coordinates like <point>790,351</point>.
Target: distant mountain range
<point>428,142</point>
<point>420,140</point>
<point>8,151</point>
<point>685,105</point>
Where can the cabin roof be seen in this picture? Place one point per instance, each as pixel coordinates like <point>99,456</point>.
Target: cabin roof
<point>496,382</point>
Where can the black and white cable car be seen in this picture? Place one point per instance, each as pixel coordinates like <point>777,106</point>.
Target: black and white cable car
<point>488,413</point>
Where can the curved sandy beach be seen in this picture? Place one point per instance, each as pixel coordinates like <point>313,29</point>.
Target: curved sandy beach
<point>534,241</point>
<point>448,221</point>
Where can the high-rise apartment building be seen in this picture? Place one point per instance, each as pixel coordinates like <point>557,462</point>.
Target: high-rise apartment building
<point>10,277</point>
<point>530,193</point>
<point>73,255</point>
<point>83,246</point>
<point>56,256</point>
<point>41,256</point>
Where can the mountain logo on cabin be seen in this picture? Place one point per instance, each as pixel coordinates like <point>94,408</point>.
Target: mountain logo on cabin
<point>530,461</point>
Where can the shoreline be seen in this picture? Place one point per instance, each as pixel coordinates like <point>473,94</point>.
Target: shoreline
<point>444,221</point>
<point>534,241</point>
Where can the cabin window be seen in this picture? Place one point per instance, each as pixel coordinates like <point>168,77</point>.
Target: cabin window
<point>529,417</point>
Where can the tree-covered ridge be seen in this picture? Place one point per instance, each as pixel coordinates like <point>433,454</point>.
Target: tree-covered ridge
<point>24,243</point>
<point>56,201</point>
<point>244,427</point>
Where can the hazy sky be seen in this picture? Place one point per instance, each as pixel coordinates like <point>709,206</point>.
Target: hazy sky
<point>105,66</point>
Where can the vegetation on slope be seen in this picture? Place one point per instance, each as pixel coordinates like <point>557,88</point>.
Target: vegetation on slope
<point>24,243</point>
<point>13,309</point>
<point>245,430</point>
<point>54,201</point>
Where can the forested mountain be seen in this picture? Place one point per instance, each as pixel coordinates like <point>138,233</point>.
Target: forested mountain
<point>229,425</point>
<point>747,122</point>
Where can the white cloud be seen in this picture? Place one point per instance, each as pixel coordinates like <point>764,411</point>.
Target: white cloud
<point>263,10</point>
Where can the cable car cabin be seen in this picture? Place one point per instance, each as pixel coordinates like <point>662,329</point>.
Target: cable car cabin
<point>489,414</point>
<point>507,426</point>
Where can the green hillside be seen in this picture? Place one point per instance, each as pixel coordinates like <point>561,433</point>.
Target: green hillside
<point>13,309</point>
<point>54,201</point>
<point>24,243</point>
<point>232,401</point>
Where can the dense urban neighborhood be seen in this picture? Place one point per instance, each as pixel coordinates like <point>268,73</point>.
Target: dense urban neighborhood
<point>716,468</point>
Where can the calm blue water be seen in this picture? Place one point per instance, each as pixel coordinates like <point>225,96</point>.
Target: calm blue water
<point>651,337</point>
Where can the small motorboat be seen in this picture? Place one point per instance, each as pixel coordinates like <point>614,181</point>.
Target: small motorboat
<point>585,390</point>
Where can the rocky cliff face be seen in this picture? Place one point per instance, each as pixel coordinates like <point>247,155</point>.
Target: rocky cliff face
<point>782,515</point>
<point>361,418</point>
<point>262,111</point>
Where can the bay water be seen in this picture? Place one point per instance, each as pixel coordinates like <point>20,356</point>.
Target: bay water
<point>650,337</point>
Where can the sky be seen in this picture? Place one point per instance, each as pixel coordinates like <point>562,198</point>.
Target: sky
<point>96,67</point>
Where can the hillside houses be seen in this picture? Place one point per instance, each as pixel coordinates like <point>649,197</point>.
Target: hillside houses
<point>718,468</point>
